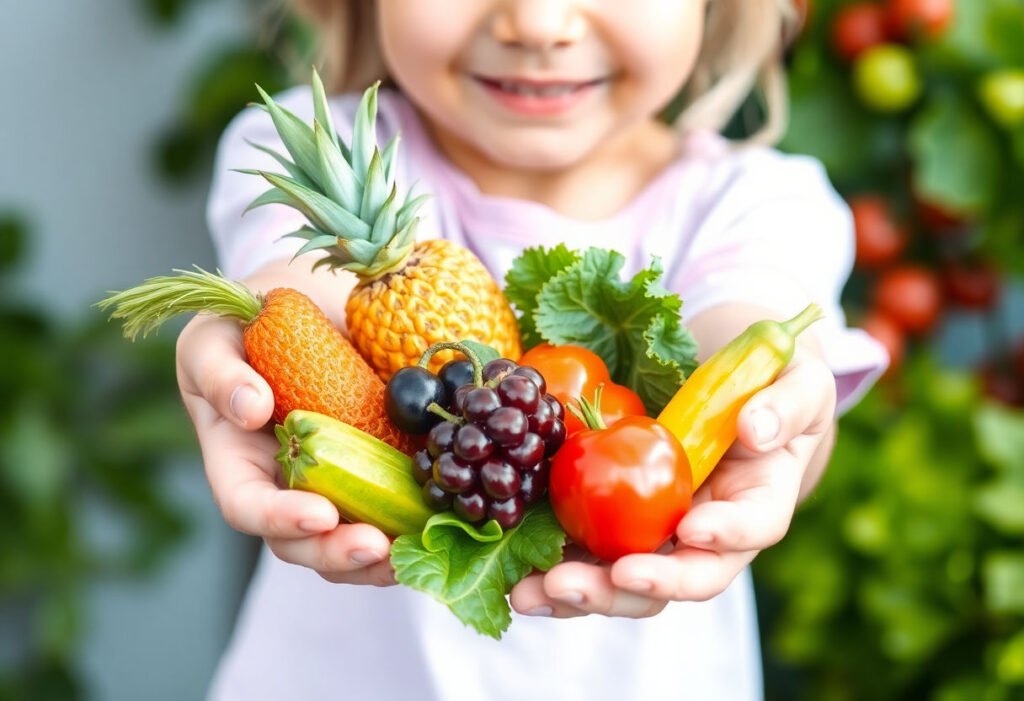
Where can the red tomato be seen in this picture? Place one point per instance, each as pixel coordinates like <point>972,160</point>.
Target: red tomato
<point>889,334</point>
<point>1000,383</point>
<point>572,372</point>
<point>973,285</point>
<point>623,489</point>
<point>909,19</point>
<point>937,220</point>
<point>911,296</point>
<point>856,28</point>
<point>880,240</point>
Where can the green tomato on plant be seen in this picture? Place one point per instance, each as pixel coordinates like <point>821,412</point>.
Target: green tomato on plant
<point>886,79</point>
<point>1002,94</point>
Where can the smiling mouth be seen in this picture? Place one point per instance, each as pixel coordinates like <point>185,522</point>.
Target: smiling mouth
<point>538,88</point>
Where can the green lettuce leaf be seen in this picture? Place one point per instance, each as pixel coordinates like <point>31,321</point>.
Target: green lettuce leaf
<point>635,326</point>
<point>472,570</point>
<point>524,280</point>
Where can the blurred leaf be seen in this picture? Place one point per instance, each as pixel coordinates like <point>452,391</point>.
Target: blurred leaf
<point>1003,574</point>
<point>1000,433</point>
<point>34,456</point>
<point>956,156</point>
<point>1001,503</point>
<point>13,232</point>
<point>825,119</point>
<point>1010,660</point>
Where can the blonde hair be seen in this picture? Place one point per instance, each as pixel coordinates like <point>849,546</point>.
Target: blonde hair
<point>741,55</point>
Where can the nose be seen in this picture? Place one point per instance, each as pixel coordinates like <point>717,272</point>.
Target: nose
<point>539,24</point>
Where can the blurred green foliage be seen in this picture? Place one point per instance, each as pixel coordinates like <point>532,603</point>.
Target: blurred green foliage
<point>903,576</point>
<point>88,426</point>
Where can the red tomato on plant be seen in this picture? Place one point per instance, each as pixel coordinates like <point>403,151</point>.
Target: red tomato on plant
<point>972,285</point>
<point>909,19</point>
<point>880,240</point>
<point>572,372</point>
<point>889,334</point>
<point>622,489</point>
<point>911,296</point>
<point>858,27</point>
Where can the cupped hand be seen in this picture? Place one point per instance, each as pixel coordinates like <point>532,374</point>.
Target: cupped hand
<point>230,405</point>
<point>746,505</point>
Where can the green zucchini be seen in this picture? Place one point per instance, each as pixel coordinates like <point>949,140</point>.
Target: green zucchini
<point>365,478</point>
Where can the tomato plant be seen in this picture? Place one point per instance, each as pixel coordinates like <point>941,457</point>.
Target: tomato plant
<point>911,296</point>
<point>880,240</point>
<point>909,19</point>
<point>572,372</point>
<point>885,78</point>
<point>856,28</point>
<point>1002,94</point>
<point>889,334</point>
<point>622,489</point>
<point>971,284</point>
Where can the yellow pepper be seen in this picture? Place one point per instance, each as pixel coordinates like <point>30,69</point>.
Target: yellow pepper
<point>704,412</point>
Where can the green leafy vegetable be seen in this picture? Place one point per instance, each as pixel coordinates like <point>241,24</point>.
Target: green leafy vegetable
<point>524,281</point>
<point>580,299</point>
<point>472,570</point>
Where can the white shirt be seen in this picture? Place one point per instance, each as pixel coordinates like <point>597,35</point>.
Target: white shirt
<point>729,225</point>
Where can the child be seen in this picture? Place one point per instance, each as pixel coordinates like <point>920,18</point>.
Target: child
<point>535,122</point>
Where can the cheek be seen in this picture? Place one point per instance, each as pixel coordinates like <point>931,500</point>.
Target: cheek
<point>411,53</point>
<point>658,47</point>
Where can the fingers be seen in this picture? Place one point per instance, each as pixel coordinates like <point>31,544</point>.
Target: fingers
<point>574,589</point>
<point>740,526</point>
<point>802,400</point>
<point>212,366</point>
<point>351,553</point>
<point>687,574</point>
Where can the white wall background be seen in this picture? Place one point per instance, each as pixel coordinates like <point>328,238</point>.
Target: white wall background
<point>87,87</point>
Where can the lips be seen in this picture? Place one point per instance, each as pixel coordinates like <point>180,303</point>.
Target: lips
<point>538,97</point>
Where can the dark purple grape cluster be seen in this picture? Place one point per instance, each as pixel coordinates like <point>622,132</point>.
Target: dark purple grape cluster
<point>492,460</point>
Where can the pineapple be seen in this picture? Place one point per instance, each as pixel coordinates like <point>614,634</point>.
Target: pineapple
<point>410,294</point>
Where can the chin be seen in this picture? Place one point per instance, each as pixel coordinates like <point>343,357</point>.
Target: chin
<point>539,155</point>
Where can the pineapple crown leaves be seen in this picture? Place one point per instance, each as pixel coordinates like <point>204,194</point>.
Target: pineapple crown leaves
<point>145,307</point>
<point>347,193</point>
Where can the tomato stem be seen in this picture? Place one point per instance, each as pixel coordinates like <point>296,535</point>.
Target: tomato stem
<point>589,412</point>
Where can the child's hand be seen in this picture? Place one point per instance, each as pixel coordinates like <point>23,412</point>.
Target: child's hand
<point>744,507</point>
<point>230,404</point>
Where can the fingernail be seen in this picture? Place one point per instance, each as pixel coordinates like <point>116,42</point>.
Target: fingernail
<point>365,557</point>
<point>539,611</point>
<point>766,425</point>
<point>699,539</point>
<point>243,397</point>
<point>574,598</point>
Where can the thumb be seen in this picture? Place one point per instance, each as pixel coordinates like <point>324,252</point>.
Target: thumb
<point>212,368</point>
<point>801,401</point>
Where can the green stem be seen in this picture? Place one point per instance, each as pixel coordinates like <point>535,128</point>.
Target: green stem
<point>478,367</point>
<point>799,323</point>
<point>589,412</point>
<point>436,408</point>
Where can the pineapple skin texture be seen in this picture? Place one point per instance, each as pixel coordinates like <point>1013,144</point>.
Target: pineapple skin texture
<point>443,293</point>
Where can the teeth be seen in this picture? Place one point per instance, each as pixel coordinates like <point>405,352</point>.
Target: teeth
<point>536,90</point>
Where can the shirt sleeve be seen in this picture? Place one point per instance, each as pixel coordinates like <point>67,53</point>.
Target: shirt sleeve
<point>776,234</point>
<point>246,241</point>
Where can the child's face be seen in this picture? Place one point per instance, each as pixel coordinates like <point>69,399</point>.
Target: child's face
<point>539,84</point>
